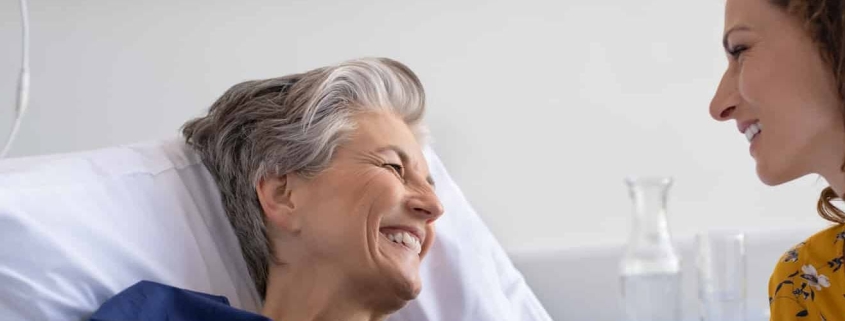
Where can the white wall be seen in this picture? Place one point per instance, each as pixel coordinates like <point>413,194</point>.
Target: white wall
<point>539,107</point>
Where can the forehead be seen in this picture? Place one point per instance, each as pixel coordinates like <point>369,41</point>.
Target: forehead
<point>376,130</point>
<point>753,14</point>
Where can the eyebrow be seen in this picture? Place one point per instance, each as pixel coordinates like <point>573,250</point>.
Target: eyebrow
<point>404,157</point>
<point>727,33</point>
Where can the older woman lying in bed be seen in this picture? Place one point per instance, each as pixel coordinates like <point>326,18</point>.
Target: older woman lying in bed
<point>323,179</point>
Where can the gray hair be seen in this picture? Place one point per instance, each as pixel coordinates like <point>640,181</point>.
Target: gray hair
<point>292,124</point>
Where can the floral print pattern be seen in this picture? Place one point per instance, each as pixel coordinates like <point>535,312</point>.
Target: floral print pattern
<point>792,254</point>
<point>840,236</point>
<point>815,280</point>
<point>836,263</point>
<point>802,286</point>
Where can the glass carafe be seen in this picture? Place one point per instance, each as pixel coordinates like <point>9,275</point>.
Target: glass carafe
<point>650,267</point>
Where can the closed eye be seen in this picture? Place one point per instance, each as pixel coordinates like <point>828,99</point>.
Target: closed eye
<point>396,168</point>
<point>737,51</point>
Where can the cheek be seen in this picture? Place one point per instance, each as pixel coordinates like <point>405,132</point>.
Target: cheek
<point>784,95</point>
<point>358,207</point>
<point>383,197</point>
<point>760,81</point>
<point>336,213</point>
<point>799,106</point>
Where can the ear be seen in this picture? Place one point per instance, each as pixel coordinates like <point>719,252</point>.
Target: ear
<point>275,197</point>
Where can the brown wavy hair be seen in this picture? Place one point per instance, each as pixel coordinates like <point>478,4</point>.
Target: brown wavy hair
<point>824,21</point>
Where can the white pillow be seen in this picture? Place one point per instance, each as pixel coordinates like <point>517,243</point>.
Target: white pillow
<point>78,228</point>
<point>467,275</point>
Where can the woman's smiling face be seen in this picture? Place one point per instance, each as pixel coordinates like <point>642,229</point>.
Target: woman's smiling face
<point>371,213</point>
<point>781,93</point>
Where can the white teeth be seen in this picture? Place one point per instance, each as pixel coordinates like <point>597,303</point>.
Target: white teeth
<point>753,130</point>
<point>406,239</point>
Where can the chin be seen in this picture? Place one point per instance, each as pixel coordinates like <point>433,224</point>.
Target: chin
<point>773,176</point>
<point>402,293</point>
<point>408,289</point>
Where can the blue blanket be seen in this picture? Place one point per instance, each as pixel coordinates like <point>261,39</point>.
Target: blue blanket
<point>150,301</point>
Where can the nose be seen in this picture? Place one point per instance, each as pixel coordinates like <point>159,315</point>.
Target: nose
<point>426,205</point>
<point>726,99</point>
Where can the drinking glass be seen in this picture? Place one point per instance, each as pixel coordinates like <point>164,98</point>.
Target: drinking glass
<point>721,265</point>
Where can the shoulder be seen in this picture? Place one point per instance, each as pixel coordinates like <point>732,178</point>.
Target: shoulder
<point>823,246</point>
<point>804,273</point>
<point>820,248</point>
<point>154,301</point>
<point>823,249</point>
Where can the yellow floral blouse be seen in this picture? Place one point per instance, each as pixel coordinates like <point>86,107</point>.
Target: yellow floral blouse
<point>809,282</point>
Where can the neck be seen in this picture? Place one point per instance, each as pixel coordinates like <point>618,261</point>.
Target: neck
<point>831,159</point>
<point>833,169</point>
<point>312,293</point>
<point>836,180</point>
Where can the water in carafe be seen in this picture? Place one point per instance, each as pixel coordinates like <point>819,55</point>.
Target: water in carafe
<point>650,267</point>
